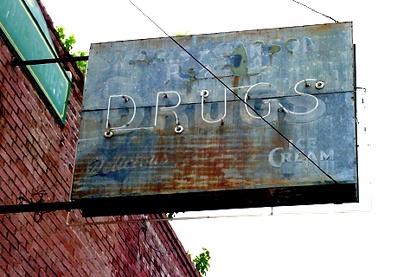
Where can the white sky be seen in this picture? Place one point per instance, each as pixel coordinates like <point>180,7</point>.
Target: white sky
<point>366,239</point>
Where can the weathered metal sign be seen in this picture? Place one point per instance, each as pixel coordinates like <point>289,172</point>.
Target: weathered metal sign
<point>161,133</point>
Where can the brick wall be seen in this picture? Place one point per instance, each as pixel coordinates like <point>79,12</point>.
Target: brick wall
<point>37,154</point>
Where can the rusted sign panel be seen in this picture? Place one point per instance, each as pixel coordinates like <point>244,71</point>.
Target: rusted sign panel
<point>155,123</point>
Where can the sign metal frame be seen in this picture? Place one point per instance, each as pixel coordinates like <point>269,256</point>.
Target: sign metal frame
<point>160,134</point>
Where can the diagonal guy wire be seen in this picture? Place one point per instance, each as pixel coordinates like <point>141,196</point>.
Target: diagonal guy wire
<point>236,95</point>
<point>313,10</point>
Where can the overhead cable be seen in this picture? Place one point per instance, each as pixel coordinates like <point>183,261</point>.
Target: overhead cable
<point>313,10</point>
<point>236,95</point>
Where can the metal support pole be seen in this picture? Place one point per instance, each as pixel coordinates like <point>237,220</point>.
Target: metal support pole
<point>37,207</point>
<point>47,61</point>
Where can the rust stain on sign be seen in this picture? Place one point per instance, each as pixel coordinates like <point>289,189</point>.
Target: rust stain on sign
<point>156,123</point>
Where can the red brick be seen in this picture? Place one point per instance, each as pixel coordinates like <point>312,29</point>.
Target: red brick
<point>11,271</point>
<point>10,151</point>
<point>34,133</point>
<point>39,152</point>
<point>9,171</point>
<point>9,137</point>
<point>21,107</point>
<point>5,245</point>
<point>29,269</point>
<point>5,57</point>
<point>6,194</point>
<point>11,106</point>
<point>17,120</point>
<point>33,158</point>
<point>10,261</point>
<point>5,156</point>
<point>40,262</point>
<point>7,88</point>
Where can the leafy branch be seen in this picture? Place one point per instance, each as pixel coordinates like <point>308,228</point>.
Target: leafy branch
<point>202,261</point>
<point>68,43</point>
<point>182,34</point>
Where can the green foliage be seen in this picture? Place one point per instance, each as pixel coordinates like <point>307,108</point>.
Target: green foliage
<point>81,64</point>
<point>202,261</point>
<point>171,215</point>
<point>68,43</point>
<point>182,35</point>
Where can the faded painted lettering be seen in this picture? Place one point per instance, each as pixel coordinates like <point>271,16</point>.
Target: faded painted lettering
<point>279,156</point>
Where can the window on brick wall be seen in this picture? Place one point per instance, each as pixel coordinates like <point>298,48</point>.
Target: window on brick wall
<point>23,26</point>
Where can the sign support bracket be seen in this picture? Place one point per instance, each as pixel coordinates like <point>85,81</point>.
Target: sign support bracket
<point>17,62</point>
<point>38,207</point>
